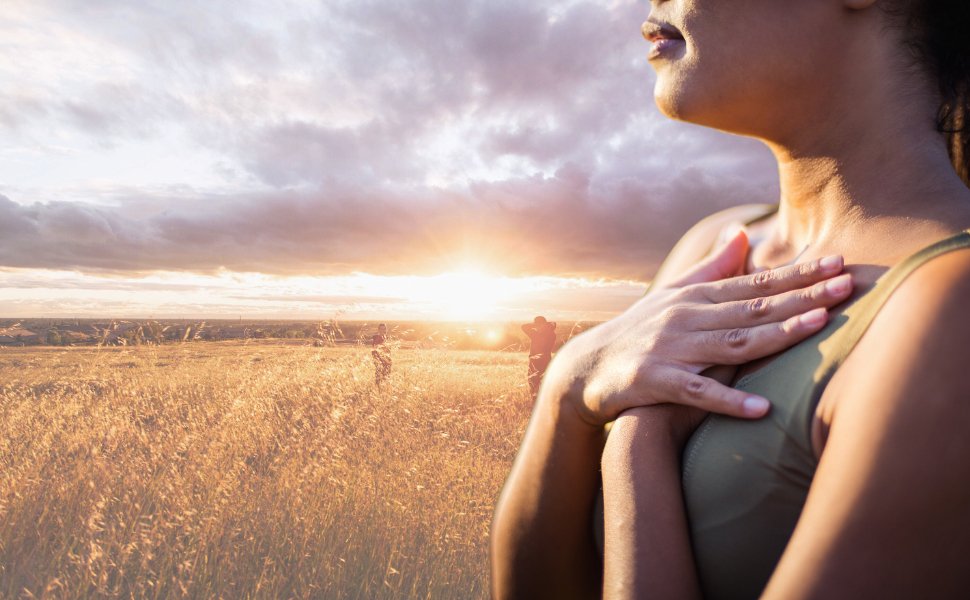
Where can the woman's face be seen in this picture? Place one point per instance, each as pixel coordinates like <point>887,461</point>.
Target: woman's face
<point>754,67</point>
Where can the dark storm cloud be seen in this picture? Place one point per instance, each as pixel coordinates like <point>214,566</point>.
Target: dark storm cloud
<point>526,226</point>
<point>359,122</point>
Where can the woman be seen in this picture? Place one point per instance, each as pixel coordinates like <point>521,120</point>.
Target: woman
<point>841,307</point>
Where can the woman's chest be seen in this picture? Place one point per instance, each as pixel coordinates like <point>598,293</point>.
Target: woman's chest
<point>745,482</point>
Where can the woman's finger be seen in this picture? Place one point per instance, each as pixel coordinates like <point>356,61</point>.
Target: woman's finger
<point>770,282</point>
<point>690,389</point>
<point>726,261</point>
<point>772,309</point>
<point>744,344</point>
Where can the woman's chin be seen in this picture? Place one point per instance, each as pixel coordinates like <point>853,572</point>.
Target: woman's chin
<point>674,102</point>
<point>671,101</point>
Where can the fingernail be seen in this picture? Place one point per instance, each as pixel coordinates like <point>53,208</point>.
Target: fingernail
<point>839,285</point>
<point>754,406</point>
<point>816,316</point>
<point>831,264</point>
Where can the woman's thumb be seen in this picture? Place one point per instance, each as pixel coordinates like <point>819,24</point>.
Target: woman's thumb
<point>727,260</point>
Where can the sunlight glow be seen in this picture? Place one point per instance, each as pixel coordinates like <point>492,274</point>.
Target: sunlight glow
<point>467,294</point>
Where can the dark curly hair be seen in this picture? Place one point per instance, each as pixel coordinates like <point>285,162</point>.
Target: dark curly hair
<point>938,32</point>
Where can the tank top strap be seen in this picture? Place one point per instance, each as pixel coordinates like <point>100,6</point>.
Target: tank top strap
<point>855,320</point>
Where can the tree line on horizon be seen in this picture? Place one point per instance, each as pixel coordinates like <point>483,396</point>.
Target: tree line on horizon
<point>138,332</point>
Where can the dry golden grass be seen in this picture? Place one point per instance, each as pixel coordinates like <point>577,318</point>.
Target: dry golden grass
<point>241,471</point>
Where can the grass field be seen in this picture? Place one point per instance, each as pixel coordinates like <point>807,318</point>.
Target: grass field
<point>242,471</point>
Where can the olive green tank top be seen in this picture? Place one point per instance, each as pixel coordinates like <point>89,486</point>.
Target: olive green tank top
<point>745,482</point>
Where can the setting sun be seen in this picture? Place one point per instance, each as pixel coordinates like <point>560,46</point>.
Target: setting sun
<point>467,294</point>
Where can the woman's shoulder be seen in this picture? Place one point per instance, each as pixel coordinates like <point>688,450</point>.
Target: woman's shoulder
<point>929,307</point>
<point>700,239</point>
<point>916,344</point>
<point>897,452</point>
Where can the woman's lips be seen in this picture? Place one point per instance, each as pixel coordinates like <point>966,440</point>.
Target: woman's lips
<point>663,47</point>
<point>666,39</point>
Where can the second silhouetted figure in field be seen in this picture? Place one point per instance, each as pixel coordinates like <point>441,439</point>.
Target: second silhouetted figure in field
<point>542,336</point>
<point>382,355</point>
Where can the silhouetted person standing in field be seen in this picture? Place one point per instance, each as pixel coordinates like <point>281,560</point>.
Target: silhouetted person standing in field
<point>381,353</point>
<point>542,336</point>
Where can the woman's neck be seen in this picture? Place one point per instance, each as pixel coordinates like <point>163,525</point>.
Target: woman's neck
<point>847,182</point>
<point>862,152</point>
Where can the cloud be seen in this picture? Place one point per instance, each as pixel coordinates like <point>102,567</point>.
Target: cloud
<point>533,225</point>
<point>356,135</point>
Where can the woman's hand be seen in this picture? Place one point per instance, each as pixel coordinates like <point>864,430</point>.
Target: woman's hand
<point>655,352</point>
<point>542,538</point>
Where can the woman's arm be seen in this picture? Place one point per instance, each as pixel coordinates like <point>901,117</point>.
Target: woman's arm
<point>647,551</point>
<point>542,543</point>
<point>888,513</point>
<point>542,535</point>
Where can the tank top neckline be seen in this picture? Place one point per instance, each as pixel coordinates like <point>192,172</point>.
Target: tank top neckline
<point>915,257</point>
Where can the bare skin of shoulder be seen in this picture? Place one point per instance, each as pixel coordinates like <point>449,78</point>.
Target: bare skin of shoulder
<point>886,514</point>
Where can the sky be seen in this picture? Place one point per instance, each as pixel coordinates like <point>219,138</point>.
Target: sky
<point>401,159</point>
